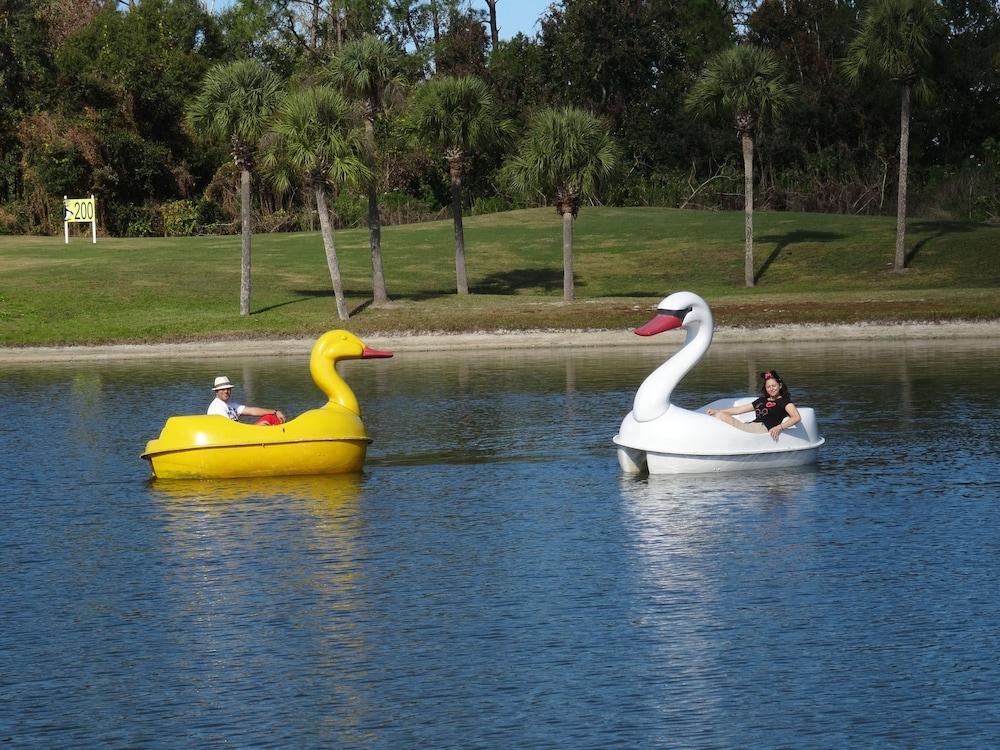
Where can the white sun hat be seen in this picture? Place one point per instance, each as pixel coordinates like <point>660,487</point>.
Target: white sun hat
<point>221,382</point>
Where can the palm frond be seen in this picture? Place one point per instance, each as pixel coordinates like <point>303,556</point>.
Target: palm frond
<point>744,81</point>
<point>458,113</point>
<point>564,150</point>
<point>235,102</point>
<point>895,38</point>
<point>315,134</point>
<point>366,69</point>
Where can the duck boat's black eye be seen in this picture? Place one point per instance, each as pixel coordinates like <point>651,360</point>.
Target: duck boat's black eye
<point>679,314</point>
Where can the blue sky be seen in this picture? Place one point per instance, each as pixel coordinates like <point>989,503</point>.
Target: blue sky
<point>513,16</point>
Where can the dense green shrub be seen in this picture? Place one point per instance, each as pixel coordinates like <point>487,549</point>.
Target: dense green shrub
<point>180,218</point>
<point>349,209</point>
<point>969,191</point>
<point>491,205</point>
<point>131,220</point>
<point>134,167</point>
<point>63,171</point>
<point>401,208</point>
<point>668,188</point>
<point>10,176</point>
<point>212,219</point>
<point>14,218</point>
<point>281,220</point>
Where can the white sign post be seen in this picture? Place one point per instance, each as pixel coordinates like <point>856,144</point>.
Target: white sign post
<point>79,211</point>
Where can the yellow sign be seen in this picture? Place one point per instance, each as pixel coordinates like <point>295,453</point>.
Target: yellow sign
<point>79,210</point>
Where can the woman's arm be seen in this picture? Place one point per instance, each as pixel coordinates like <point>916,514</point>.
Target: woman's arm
<point>791,420</point>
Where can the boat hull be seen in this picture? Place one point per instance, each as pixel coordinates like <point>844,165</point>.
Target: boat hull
<point>329,440</point>
<point>261,460</point>
<point>691,442</point>
<point>634,461</point>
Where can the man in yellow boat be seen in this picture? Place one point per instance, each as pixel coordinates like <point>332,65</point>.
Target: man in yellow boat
<point>225,407</point>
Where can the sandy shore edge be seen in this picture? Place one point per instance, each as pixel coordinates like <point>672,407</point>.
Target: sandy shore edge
<point>405,342</point>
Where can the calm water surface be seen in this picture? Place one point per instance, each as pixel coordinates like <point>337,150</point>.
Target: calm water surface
<point>491,581</point>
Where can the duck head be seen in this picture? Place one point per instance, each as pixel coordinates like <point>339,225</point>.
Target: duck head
<point>329,349</point>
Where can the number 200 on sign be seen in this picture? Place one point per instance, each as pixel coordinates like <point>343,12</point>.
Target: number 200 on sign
<point>81,209</point>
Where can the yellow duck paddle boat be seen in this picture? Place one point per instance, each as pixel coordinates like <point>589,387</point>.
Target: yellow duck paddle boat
<point>327,440</point>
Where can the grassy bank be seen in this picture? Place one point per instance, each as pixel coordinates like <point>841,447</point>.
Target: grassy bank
<point>812,269</point>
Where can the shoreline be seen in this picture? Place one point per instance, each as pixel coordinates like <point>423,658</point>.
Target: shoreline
<point>502,340</point>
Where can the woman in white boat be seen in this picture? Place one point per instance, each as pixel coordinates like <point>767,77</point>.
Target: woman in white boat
<point>774,409</point>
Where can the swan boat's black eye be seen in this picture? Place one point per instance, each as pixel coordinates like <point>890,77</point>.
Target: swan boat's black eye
<point>679,314</point>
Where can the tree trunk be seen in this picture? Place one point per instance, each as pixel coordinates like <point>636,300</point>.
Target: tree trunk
<point>435,23</point>
<point>314,27</point>
<point>245,248</point>
<point>494,31</point>
<point>899,264</point>
<point>326,229</point>
<point>461,280</point>
<point>341,23</point>
<point>567,255</point>
<point>747,141</point>
<point>380,296</point>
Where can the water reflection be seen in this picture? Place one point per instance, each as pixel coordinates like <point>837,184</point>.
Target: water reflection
<point>662,494</point>
<point>283,557</point>
<point>331,493</point>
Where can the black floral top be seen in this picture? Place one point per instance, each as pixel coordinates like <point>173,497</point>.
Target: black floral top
<point>770,411</point>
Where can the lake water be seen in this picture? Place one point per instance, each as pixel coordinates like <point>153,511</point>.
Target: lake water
<point>491,580</point>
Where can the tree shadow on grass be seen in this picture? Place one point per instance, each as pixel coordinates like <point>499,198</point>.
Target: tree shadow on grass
<point>790,238</point>
<point>513,281</point>
<point>306,294</point>
<point>501,283</point>
<point>640,293</point>
<point>936,230</point>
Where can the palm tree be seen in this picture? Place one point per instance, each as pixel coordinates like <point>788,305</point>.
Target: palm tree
<point>314,137</point>
<point>458,116</point>
<point>564,156</point>
<point>366,69</point>
<point>746,83</point>
<point>235,103</point>
<point>895,38</point>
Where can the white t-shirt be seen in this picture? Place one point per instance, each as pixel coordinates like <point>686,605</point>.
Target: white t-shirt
<point>223,409</point>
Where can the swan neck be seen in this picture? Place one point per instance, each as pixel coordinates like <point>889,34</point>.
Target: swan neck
<point>653,397</point>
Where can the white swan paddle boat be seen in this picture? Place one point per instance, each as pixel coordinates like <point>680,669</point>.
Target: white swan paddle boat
<point>661,438</point>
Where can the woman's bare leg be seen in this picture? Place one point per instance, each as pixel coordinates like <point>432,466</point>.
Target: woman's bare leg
<point>729,419</point>
<point>732,421</point>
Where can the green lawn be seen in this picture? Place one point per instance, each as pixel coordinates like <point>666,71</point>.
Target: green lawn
<point>811,267</point>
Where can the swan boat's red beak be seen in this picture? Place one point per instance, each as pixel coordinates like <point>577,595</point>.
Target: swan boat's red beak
<point>370,353</point>
<point>664,320</point>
